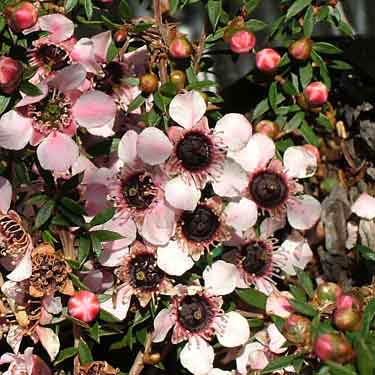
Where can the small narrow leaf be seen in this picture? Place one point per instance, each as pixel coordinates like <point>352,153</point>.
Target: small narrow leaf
<point>214,8</point>
<point>308,22</point>
<point>44,213</point>
<point>29,89</point>
<point>253,297</point>
<point>136,103</point>
<point>102,217</point>
<point>69,5</point>
<point>297,7</point>
<point>84,352</point>
<point>88,8</point>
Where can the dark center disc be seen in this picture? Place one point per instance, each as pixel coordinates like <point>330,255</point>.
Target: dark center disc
<point>138,190</point>
<point>194,313</point>
<point>53,56</point>
<point>255,258</point>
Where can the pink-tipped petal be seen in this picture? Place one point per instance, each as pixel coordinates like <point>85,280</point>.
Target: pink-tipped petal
<point>59,27</point>
<point>220,278</point>
<point>187,109</point>
<point>15,131</point>
<point>94,109</point>
<point>5,195</point>
<point>253,357</point>
<point>256,154</point>
<point>173,260</point>
<point>163,322</point>
<point>182,195</point>
<point>303,212</point>
<point>299,163</point>
<point>112,258</point>
<point>278,304</point>
<point>69,78</point>
<point>49,340</point>
<point>57,152</point>
<point>364,206</point>
<point>127,148</point>
<point>235,130</point>
<point>103,131</point>
<point>232,181</point>
<point>101,44</point>
<point>241,215</point>
<point>276,340</point>
<point>23,269</point>
<point>118,308</point>
<point>125,227</point>
<point>83,53</point>
<point>272,224</point>
<point>43,87</point>
<point>153,146</point>
<point>236,331</point>
<point>197,356</point>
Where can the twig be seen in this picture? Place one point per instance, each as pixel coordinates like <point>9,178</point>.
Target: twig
<point>163,63</point>
<point>199,50</point>
<point>138,364</point>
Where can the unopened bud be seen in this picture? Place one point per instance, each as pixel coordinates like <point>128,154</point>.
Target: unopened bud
<point>180,48</point>
<point>242,41</point>
<point>267,60</point>
<point>301,49</point>
<point>10,74</point>
<point>178,78</point>
<point>267,127</point>
<point>348,301</point>
<point>333,347</point>
<point>297,329</point>
<point>148,83</point>
<point>316,94</point>
<point>84,305</point>
<point>21,16</point>
<point>347,319</point>
<point>328,293</point>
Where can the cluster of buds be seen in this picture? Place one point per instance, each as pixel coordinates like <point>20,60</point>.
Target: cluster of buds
<point>239,38</point>
<point>21,16</point>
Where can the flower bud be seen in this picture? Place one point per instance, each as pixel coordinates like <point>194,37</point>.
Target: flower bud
<point>180,48</point>
<point>348,301</point>
<point>316,94</point>
<point>178,78</point>
<point>267,60</point>
<point>151,359</point>
<point>297,329</point>
<point>347,319</point>
<point>301,49</point>
<point>10,74</point>
<point>242,41</point>
<point>84,305</point>
<point>267,127</point>
<point>120,36</point>
<point>21,16</point>
<point>328,292</point>
<point>148,83</point>
<point>333,347</point>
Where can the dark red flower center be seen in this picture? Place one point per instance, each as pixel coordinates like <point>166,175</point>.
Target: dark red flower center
<point>194,313</point>
<point>255,258</point>
<point>53,56</point>
<point>199,225</point>
<point>112,76</point>
<point>139,190</point>
<point>268,189</point>
<point>144,273</point>
<point>194,151</point>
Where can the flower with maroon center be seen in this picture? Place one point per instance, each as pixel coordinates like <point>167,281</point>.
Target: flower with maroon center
<point>49,120</point>
<point>196,315</point>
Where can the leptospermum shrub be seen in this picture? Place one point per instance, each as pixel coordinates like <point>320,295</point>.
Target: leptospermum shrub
<point>145,230</point>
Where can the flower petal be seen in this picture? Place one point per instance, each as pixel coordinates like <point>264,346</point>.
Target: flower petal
<point>303,212</point>
<point>94,109</point>
<point>83,53</point>
<point>235,130</point>
<point>276,340</point>
<point>278,304</point>
<point>57,152</point>
<point>256,154</point>
<point>15,131</point>
<point>187,109</point>
<point>173,260</point>
<point>153,146</point>
<point>232,181</point>
<point>253,357</point>
<point>236,332</point>
<point>220,278</point>
<point>182,195</point>
<point>43,87</point>
<point>124,226</point>
<point>59,27</point>
<point>364,206</point>
<point>69,78</point>
<point>127,148</point>
<point>49,340</point>
<point>163,322</point>
<point>112,258</point>
<point>241,215</point>
<point>101,44</point>
<point>120,308</point>
<point>197,356</point>
<point>23,269</point>
<point>5,195</point>
<point>299,163</point>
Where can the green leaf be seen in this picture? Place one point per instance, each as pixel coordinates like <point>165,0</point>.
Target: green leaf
<point>37,199</point>
<point>214,8</point>
<point>200,85</point>
<point>4,101</point>
<point>168,89</point>
<point>338,369</point>
<point>309,134</point>
<point>324,121</point>
<point>72,206</point>
<point>84,352</point>
<point>106,235</point>
<point>368,317</point>
<point>305,282</point>
<point>305,74</point>
<point>88,8</point>
<point>323,68</point>
<point>272,95</point>
<point>251,5</point>
<point>72,217</point>
<point>72,183</point>
<point>364,356</point>
<point>44,213</point>
<point>29,89</point>
<point>298,293</point>
<point>297,7</point>
<point>295,121</point>
<point>252,297</point>
<point>69,5</point>
<point>289,88</point>
<point>83,249</point>
<point>190,74</point>
<point>125,10</point>
<point>96,245</point>
<point>303,308</point>
<point>278,364</point>
<point>366,253</point>
<point>255,25</point>
<point>345,28</point>
<point>340,65</point>
<point>102,217</point>
<point>308,22</point>
<point>65,354</point>
<point>261,108</point>
<point>328,48</point>
<point>94,332</point>
<point>136,103</point>
<point>112,51</point>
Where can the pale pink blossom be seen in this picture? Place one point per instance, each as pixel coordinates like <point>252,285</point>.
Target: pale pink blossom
<point>364,206</point>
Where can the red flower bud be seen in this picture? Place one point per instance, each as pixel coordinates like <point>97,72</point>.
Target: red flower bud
<point>267,127</point>
<point>242,41</point>
<point>347,319</point>
<point>10,74</point>
<point>120,36</point>
<point>21,16</point>
<point>267,60</point>
<point>316,94</point>
<point>348,301</point>
<point>301,49</point>
<point>312,150</point>
<point>148,83</point>
<point>297,329</point>
<point>84,305</point>
<point>180,48</point>
<point>333,347</point>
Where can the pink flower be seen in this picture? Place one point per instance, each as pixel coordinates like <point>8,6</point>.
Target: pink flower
<point>242,41</point>
<point>50,119</point>
<point>364,206</point>
<point>316,94</point>
<point>278,304</point>
<point>267,60</point>
<point>196,316</point>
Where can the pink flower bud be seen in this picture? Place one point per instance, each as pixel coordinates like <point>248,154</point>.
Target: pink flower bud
<point>242,41</point>
<point>297,329</point>
<point>316,94</point>
<point>10,74</point>
<point>267,127</point>
<point>348,301</point>
<point>84,305</point>
<point>180,48</point>
<point>21,17</point>
<point>301,49</point>
<point>347,319</point>
<point>267,60</point>
<point>312,150</point>
<point>333,347</point>
<point>324,347</point>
